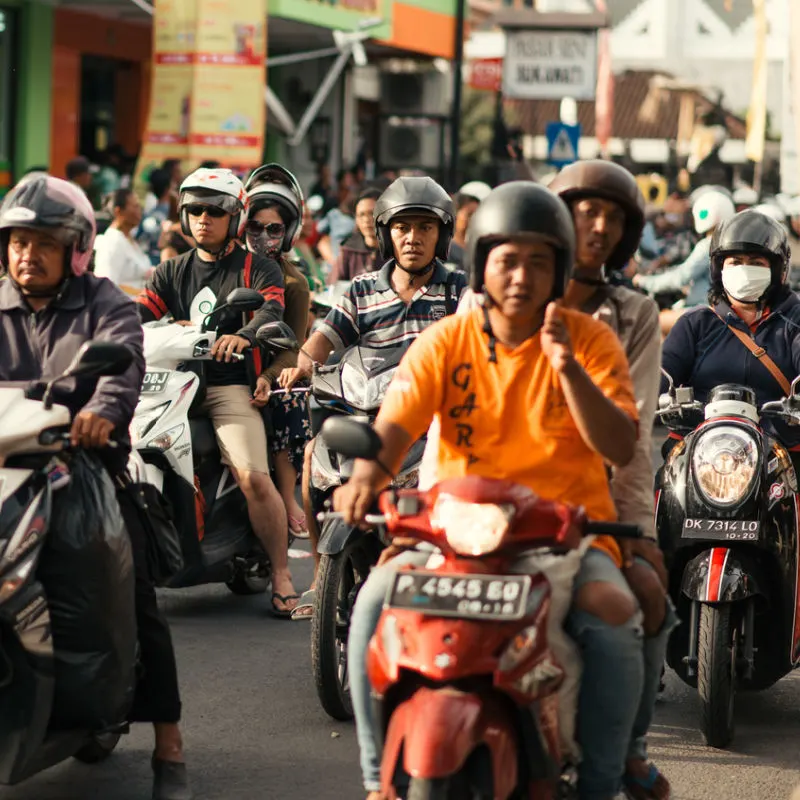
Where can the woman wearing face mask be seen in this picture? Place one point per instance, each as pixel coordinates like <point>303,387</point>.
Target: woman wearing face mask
<point>274,223</point>
<point>750,307</point>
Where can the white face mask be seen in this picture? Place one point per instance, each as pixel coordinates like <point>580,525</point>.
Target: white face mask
<point>746,282</point>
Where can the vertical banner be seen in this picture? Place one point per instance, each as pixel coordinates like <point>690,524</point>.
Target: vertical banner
<point>757,113</point>
<point>790,128</point>
<point>209,75</point>
<point>604,102</point>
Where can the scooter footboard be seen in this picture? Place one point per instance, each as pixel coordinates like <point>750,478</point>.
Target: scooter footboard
<point>721,575</point>
<point>438,729</point>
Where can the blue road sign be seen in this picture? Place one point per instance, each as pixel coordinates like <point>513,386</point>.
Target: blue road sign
<point>562,143</point>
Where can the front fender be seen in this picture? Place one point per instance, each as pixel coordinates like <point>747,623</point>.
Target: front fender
<point>721,575</point>
<point>438,729</point>
<point>336,535</point>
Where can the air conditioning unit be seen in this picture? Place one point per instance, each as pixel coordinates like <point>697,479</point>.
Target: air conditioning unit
<point>410,144</point>
<point>423,92</point>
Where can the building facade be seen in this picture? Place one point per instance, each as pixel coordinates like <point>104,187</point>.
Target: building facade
<point>75,77</point>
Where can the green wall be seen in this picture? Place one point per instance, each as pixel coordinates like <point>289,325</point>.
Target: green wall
<point>33,83</point>
<point>327,14</point>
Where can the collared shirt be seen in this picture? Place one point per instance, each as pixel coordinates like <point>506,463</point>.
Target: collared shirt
<point>373,314</point>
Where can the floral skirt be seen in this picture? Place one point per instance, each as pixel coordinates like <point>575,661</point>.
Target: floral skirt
<point>291,426</point>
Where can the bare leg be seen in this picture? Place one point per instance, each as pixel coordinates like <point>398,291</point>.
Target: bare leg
<point>169,744</point>
<point>313,526</point>
<point>268,518</point>
<point>286,479</point>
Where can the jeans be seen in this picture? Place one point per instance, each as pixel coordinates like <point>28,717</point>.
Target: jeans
<point>612,702</point>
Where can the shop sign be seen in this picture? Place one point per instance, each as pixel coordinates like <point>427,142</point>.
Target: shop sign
<point>336,14</point>
<point>486,74</point>
<point>550,64</point>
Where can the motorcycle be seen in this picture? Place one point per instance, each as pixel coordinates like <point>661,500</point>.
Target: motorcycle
<point>727,514</point>
<point>354,387</point>
<point>33,432</point>
<point>183,461</point>
<point>464,680</point>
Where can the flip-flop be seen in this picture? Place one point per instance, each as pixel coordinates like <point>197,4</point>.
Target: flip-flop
<point>298,527</point>
<point>282,613</point>
<point>306,603</point>
<point>637,788</point>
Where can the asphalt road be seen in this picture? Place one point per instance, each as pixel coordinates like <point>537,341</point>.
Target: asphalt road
<point>254,729</point>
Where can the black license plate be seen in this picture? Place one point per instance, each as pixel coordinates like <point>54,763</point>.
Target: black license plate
<point>501,597</point>
<point>726,530</point>
<point>155,381</point>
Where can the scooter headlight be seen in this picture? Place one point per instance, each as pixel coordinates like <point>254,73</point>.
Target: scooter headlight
<point>168,438</point>
<point>471,529</point>
<point>144,422</point>
<point>362,392</point>
<point>725,460</point>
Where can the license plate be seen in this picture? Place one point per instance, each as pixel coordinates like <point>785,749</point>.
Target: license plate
<point>728,530</point>
<point>155,381</point>
<point>467,596</point>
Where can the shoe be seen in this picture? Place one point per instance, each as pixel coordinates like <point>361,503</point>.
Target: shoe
<point>170,780</point>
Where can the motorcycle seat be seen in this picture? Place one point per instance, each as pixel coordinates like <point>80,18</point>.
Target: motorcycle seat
<point>204,442</point>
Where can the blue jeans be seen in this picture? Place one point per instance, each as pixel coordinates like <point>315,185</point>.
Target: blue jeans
<point>612,703</point>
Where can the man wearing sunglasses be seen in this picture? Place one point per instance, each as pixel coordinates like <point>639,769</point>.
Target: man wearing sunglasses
<point>213,211</point>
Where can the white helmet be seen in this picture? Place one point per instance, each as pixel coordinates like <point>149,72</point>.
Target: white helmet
<point>476,189</point>
<point>711,209</point>
<point>771,210</point>
<point>215,187</point>
<point>272,184</point>
<point>793,207</point>
<point>745,196</point>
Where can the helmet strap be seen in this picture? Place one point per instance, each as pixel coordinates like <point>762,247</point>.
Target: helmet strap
<point>590,278</point>
<point>415,273</point>
<point>220,252</point>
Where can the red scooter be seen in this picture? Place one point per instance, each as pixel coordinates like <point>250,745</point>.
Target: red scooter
<point>461,655</point>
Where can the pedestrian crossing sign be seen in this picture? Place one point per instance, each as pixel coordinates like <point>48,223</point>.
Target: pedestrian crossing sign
<point>562,143</point>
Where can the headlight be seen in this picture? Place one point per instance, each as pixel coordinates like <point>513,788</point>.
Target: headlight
<point>362,392</point>
<point>165,440</point>
<point>724,461</point>
<point>142,423</point>
<point>471,529</point>
<point>13,580</point>
<point>322,475</point>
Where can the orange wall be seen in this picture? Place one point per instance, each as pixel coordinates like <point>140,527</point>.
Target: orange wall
<point>423,31</point>
<point>78,34</point>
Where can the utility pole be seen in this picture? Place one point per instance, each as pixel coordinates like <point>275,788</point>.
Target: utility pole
<point>458,80</point>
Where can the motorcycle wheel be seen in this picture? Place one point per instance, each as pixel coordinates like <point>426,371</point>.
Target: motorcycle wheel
<point>98,748</point>
<point>329,627</point>
<point>716,674</point>
<point>429,789</point>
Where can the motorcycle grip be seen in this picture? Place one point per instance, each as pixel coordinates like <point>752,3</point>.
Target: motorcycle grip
<point>620,530</point>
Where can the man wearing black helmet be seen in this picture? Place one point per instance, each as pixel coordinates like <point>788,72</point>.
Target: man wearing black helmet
<point>538,395</point>
<point>414,220</point>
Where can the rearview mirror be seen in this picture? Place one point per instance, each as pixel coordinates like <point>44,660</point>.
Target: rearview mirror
<point>100,359</point>
<point>244,300</point>
<point>277,336</point>
<point>351,438</point>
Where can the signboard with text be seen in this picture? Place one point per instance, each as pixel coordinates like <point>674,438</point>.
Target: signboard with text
<point>486,74</point>
<point>550,64</point>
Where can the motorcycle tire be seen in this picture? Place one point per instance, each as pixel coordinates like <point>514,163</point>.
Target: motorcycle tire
<point>329,623</point>
<point>716,674</point>
<point>430,789</point>
<point>98,748</point>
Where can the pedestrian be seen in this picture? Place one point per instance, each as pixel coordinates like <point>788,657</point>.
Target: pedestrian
<point>360,252</point>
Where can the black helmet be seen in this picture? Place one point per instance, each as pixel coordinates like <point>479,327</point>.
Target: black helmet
<point>609,181</point>
<point>274,185</point>
<point>520,208</point>
<point>409,196</point>
<point>755,233</point>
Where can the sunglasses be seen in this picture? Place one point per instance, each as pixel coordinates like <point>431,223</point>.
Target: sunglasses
<point>273,229</point>
<point>212,211</point>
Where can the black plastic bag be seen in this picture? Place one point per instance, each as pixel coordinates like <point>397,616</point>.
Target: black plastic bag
<point>86,569</point>
<point>143,502</point>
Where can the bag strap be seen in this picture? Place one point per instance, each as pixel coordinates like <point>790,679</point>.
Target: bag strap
<point>761,354</point>
<point>248,266</point>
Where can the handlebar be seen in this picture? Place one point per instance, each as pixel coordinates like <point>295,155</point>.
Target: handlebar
<point>619,530</point>
<point>298,390</point>
<point>370,519</point>
<point>64,437</point>
<point>204,351</point>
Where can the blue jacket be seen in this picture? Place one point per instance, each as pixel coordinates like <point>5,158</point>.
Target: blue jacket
<point>701,352</point>
<point>693,274</point>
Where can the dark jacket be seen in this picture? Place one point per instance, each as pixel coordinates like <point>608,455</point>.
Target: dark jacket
<point>701,352</point>
<point>355,258</point>
<point>36,346</point>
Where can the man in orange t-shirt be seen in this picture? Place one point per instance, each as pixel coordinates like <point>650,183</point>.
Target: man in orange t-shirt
<point>536,394</point>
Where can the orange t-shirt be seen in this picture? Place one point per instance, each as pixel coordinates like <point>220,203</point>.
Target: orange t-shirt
<point>510,420</point>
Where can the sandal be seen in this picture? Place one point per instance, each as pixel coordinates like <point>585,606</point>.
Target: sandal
<point>643,788</point>
<point>305,607</point>
<point>282,613</point>
<point>298,526</point>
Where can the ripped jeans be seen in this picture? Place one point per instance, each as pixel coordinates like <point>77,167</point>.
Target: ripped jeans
<point>618,690</point>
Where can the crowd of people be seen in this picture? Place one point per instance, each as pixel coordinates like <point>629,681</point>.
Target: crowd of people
<point>541,291</point>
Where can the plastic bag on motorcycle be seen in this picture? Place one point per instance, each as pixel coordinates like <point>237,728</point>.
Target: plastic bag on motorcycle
<point>86,569</point>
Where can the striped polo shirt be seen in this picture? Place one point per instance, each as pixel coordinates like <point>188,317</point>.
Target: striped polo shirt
<point>372,313</point>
